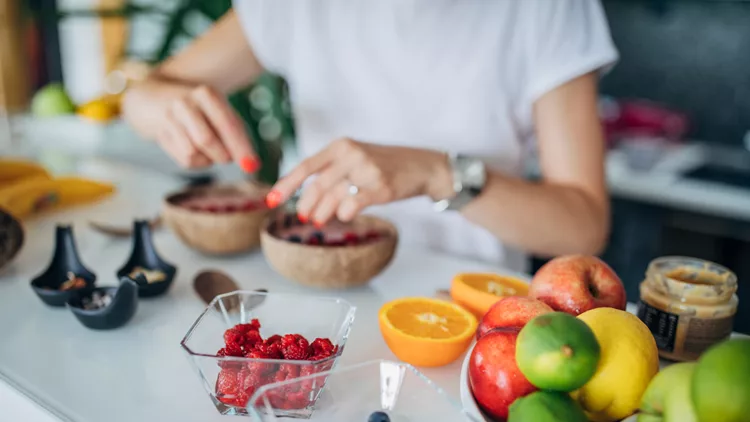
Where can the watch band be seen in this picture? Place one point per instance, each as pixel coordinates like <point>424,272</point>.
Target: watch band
<point>469,178</point>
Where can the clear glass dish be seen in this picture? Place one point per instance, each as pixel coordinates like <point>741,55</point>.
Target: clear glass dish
<point>354,393</point>
<point>312,317</point>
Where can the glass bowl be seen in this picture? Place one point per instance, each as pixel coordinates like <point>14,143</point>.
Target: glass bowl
<point>354,393</point>
<point>230,381</point>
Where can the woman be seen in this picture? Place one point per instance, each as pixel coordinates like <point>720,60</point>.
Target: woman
<point>408,106</point>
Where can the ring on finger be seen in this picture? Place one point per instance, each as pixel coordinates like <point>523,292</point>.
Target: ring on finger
<point>353,190</point>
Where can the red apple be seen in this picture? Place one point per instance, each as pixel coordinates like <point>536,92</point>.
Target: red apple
<point>576,284</point>
<point>511,312</point>
<point>494,377</point>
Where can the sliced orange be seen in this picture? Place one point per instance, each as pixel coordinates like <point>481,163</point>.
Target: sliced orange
<point>477,292</point>
<point>426,332</point>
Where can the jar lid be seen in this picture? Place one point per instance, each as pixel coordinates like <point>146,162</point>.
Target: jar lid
<point>692,279</point>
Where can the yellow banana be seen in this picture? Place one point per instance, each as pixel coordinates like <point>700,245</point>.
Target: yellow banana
<point>12,171</point>
<point>34,195</point>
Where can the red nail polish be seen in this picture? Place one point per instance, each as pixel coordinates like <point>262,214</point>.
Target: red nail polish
<point>318,224</point>
<point>273,199</point>
<point>249,164</point>
<point>302,218</point>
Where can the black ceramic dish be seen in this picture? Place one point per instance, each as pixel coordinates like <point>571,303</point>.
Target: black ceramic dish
<point>64,261</point>
<point>11,238</point>
<point>144,255</point>
<point>117,313</point>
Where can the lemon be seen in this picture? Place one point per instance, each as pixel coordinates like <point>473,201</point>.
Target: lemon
<point>629,360</point>
<point>100,110</point>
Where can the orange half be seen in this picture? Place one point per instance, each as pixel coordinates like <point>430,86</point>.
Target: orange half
<point>477,292</point>
<point>425,331</point>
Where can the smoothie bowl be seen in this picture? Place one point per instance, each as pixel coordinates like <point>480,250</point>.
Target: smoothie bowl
<point>338,255</point>
<point>245,340</point>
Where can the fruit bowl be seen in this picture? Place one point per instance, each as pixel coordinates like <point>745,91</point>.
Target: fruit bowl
<point>339,255</point>
<point>218,219</point>
<point>230,376</point>
<point>385,391</point>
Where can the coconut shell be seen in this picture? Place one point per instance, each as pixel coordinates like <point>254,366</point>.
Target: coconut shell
<point>331,267</point>
<point>217,233</point>
<point>11,238</point>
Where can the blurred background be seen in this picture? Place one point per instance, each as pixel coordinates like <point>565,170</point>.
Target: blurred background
<point>676,111</point>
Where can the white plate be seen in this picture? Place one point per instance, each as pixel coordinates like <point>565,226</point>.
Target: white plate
<point>467,399</point>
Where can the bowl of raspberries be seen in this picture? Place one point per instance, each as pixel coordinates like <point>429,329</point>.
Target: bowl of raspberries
<point>245,340</point>
<point>335,256</point>
<point>220,219</point>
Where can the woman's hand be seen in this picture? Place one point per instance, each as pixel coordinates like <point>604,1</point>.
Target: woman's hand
<point>381,174</point>
<point>200,128</point>
<point>182,103</point>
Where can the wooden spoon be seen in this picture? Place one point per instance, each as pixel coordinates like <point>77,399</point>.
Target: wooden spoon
<point>211,283</point>
<point>117,231</point>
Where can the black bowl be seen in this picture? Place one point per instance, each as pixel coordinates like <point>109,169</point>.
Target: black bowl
<point>119,311</point>
<point>144,255</point>
<point>64,261</point>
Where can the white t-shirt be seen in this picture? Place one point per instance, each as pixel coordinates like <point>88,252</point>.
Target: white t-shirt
<point>454,75</point>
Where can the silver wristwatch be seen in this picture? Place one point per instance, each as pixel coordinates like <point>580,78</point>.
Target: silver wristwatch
<point>469,178</point>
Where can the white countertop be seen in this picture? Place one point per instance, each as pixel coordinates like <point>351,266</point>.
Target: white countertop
<point>139,372</point>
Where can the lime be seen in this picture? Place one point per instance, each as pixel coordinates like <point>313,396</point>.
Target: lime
<point>558,352</point>
<point>546,406</point>
<point>52,100</point>
<point>721,383</point>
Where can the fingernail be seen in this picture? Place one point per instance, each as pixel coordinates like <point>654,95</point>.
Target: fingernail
<point>302,218</point>
<point>249,164</point>
<point>273,199</point>
<point>318,224</point>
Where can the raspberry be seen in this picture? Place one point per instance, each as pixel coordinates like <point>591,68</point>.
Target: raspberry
<point>253,325</point>
<point>294,347</point>
<point>271,347</point>
<point>351,238</point>
<point>231,350</point>
<point>234,337</point>
<point>252,338</point>
<point>226,383</point>
<point>321,347</point>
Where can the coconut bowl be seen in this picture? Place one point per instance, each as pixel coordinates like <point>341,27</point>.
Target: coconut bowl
<point>231,226</point>
<point>327,257</point>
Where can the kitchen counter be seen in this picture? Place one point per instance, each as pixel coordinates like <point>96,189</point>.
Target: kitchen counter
<point>139,372</point>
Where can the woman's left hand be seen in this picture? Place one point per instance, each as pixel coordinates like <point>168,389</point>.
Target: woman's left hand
<point>353,175</point>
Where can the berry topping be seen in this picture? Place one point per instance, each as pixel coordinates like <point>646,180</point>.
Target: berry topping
<point>351,238</point>
<point>317,238</point>
<point>372,235</point>
<point>379,417</point>
<point>294,239</point>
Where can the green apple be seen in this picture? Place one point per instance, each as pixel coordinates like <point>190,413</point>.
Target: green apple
<point>721,383</point>
<point>52,100</point>
<point>667,398</point>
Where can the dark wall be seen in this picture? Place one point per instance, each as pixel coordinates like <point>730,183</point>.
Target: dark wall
<point>693,55</point>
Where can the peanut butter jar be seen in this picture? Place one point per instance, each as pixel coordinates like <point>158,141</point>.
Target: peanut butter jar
<point>688,304</point>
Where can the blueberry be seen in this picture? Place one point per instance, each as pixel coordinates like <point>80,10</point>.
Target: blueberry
<point>378,417</point>
<point>294,239</point>
<point>317,238</point>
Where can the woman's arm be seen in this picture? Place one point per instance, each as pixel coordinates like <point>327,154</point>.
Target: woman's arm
<point>182,104</point>
<point>568,211</point>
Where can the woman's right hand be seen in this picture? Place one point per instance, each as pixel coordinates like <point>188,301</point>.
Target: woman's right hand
<point>196,126</point>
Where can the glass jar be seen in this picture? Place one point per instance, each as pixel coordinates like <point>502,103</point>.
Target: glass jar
<point>688,304</point>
